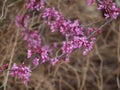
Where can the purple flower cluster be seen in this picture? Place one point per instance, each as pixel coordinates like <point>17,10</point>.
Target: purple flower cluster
<point>18,20</point>
<point>77,43</point>
<point>109,7</point>
<point>35,48</point>
<point>53,18</point>
<point>21,71</point>
<point>35,5</point>
<point>32,37</point>
<point>73,31</point>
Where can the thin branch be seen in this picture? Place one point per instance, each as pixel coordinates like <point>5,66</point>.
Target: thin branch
<point>98,1</point>
<point>106,23</point>
<point>3,10</point>
<point>11,59</point>
<point>14,3</point>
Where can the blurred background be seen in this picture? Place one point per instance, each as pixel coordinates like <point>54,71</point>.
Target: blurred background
<point>99,70</point>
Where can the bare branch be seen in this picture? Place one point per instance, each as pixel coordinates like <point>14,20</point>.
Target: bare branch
<point>3,10</point>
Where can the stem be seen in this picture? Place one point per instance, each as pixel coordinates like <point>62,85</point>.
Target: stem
<point>3,10</point>
<point>106,23</point>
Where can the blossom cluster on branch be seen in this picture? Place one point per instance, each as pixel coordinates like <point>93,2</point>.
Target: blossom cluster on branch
<point>109,7</point>
<point>21,71</point>
<point>76,35</point>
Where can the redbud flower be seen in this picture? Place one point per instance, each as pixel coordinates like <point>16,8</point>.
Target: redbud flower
<point>29,53</point>
<point>90,2</point>
<point>36,61</point>
<point>54,61</point>
<point>35,5</point>
<point>110,8</point>
<point>21,71</point>
<point>67,47</point>
<point>18,20</point>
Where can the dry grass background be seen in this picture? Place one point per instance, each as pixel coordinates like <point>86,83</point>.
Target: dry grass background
<point>99,70</point>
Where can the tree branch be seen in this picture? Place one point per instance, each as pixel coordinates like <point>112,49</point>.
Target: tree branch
<point>3,10</point>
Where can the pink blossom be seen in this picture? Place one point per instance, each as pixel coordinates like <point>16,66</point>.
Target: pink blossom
<point>55,44</point>
<point>26,19</point>
<point>44,54</point>
<point>18,20</point>
<point>32,5</point>
<point>67,47</point>
<point>67,59</point>
<point>21,71</point>
<point>36,61</point>
<point>34,45</point>
<point>76,29</point>
<point>51,13</point>
<point>110,8</point>
<point>88,46</point>
<point>65,27</point>
<point>90,2</point>
<point>29,53</point>
<point>32,37</point>
<point>54,61</point>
